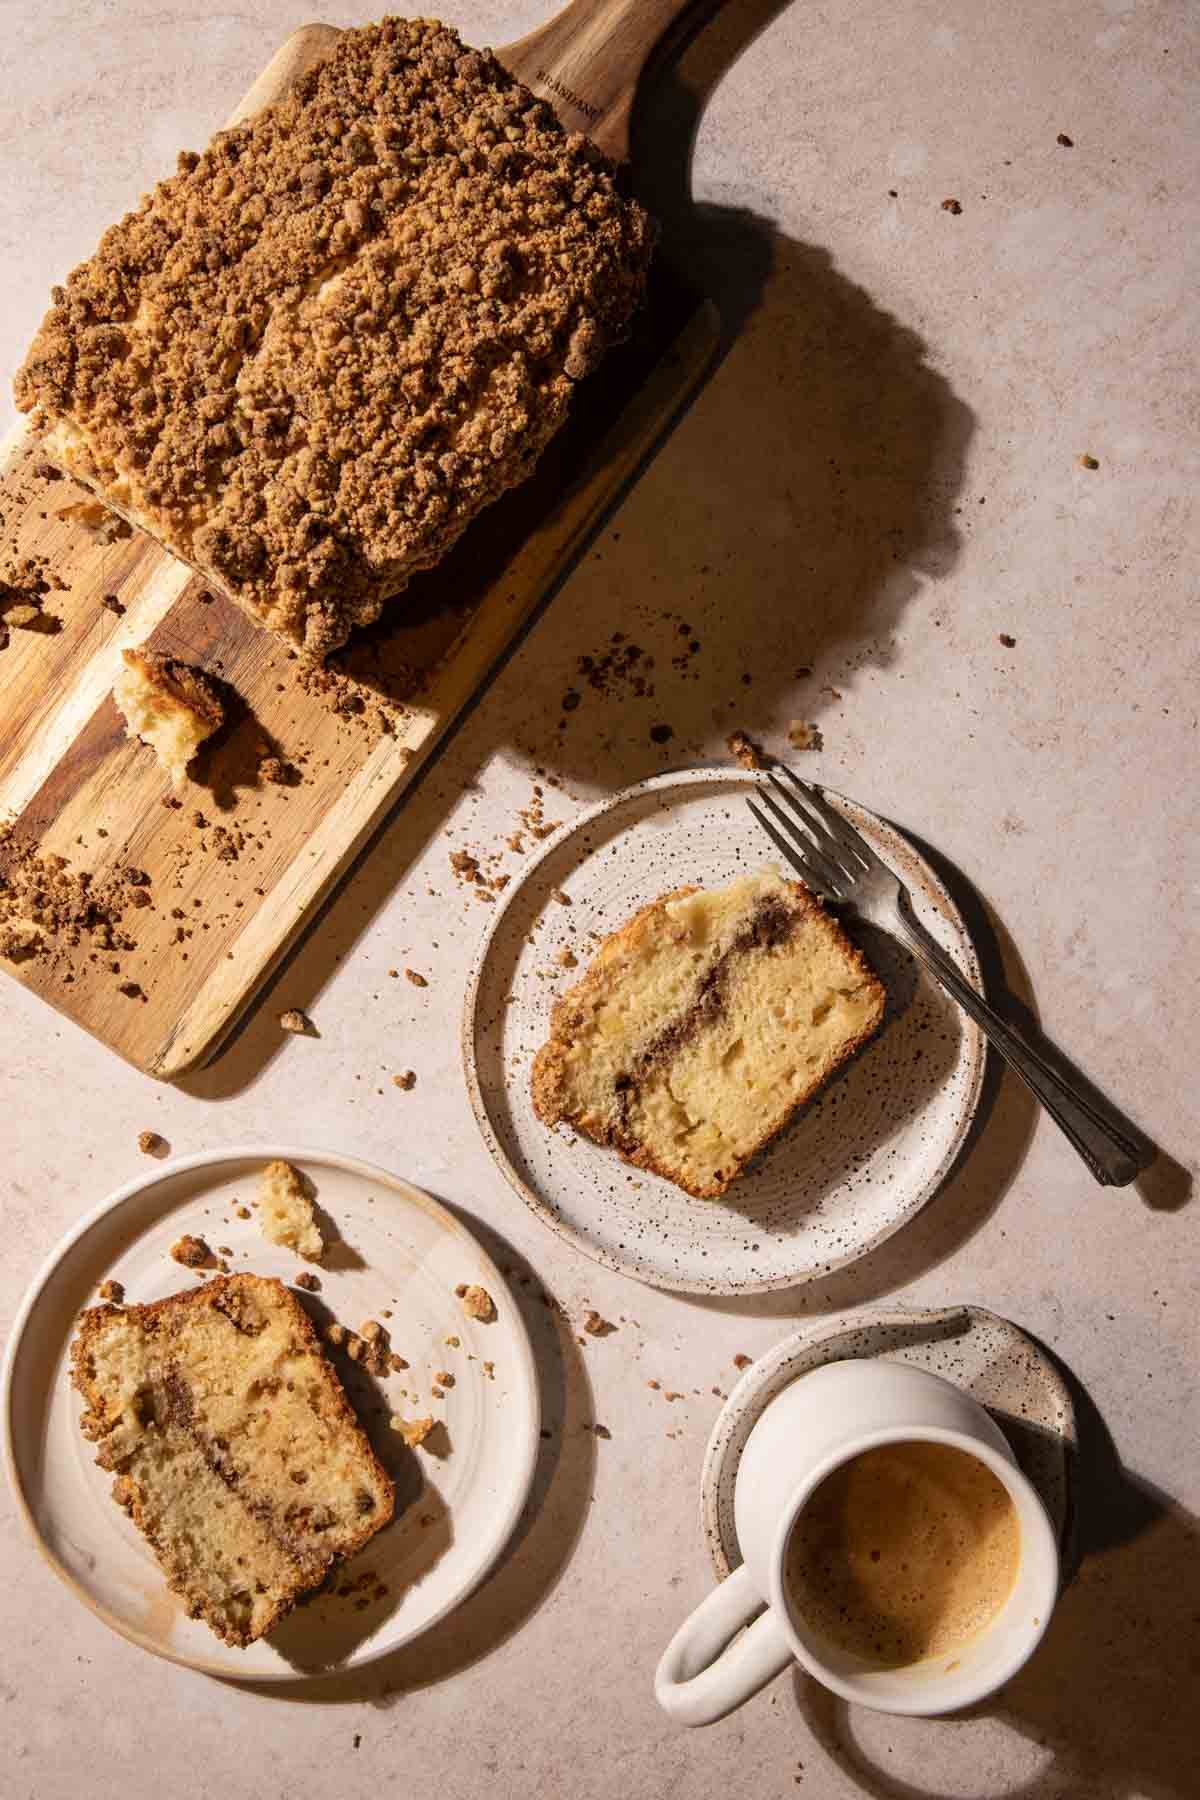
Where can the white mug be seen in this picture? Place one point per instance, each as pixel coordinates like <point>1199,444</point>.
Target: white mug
<point>814,1426</point>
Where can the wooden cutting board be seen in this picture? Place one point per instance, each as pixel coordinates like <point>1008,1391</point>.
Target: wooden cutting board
<point>228,896</point>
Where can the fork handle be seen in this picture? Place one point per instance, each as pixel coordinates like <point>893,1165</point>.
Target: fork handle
<point>1094,1128</point>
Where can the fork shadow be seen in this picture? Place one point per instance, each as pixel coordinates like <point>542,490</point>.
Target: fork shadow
<point>537,1554</point>
<point>1110,1698</point>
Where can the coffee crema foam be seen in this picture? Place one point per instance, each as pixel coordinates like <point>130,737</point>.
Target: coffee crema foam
<point>903,1553</point>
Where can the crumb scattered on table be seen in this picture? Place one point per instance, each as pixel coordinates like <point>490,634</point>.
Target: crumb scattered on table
<point>1088,462</point>
<point>310,1282</point>
<point>407,1081</point>
<point>744,751</point>
<point>417,979</point>
<point>742,1361</point>
<point>952,206</point>
<point>295,1021</point>
<point>596,1325</point>
<point>804,736</point>
<point>113,1292</point>
<point>151,1143</point>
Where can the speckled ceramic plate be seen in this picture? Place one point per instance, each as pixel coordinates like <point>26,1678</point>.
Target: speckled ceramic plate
<point>990,1357</point>
<point>395,1249</point>
<point>862,1159</point>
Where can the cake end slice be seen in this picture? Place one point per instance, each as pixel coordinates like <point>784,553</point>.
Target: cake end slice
<point>170,705</point>
<point>703,1024</point>
<point>233,1445</point>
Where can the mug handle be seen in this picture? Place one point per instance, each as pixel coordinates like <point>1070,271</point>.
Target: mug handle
<point>701,1676</point>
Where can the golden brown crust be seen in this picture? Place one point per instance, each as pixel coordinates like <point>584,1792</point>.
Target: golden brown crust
<point>574,1004</point>
<point>315,352</point>
<point>550,1099</point>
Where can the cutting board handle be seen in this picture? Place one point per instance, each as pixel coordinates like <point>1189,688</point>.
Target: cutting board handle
<point>588,59</point>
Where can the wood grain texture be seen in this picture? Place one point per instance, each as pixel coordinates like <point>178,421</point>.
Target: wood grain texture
<point>224,909</point>
<point>587,62</point>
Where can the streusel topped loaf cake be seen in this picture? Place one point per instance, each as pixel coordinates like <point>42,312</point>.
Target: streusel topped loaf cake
<point>317,351</point>
<point>235,1449</point>
<point>703,1024</point>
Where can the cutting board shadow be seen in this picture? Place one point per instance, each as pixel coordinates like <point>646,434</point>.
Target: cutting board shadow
<point>242,864</point>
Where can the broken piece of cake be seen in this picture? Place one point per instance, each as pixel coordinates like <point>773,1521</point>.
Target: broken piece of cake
<point>318,350</point>
<point>170,705</point>
<point>703,1025</point>
<point>286,1213</point>
<point>235,1450</point>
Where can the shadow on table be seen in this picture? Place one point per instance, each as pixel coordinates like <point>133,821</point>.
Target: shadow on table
<point>1112,1695</point>
<point>796,511</point>
<point>541,1545</point>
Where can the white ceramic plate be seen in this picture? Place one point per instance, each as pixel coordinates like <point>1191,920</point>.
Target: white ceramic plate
<point>397,1249</point>
<point>862,1159</point>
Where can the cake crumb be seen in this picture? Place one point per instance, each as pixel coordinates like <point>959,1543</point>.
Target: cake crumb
<point>1088,462</point>
<point>596,1325</point>
<point>1007,639</point>
<point>804,736</point>
<point>336,1335</point>
<point>567,959</point>
<point>407,1081</point>
<point>744,751</point>
<point>742,1361</point>
<point>396,1364</point>
<point>656,1385</point>
<point>1068,143</point>
<point>602,1431</point>
<point>453,1343</point>
<point>295,1021</point>
<point>952,206</point>
<point>113,1292</point>
<point>413,1431</point>
<point>193,1252</point>
<point>308,1281</point>
<point>417,979</point>
<point>286,1214</point>
<point>477,1302</point>
<point>444,1378</point>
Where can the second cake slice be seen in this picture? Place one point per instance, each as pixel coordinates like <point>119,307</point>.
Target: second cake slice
<point>703,1024</point>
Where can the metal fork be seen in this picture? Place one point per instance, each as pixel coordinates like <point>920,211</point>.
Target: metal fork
<point>837,862</point>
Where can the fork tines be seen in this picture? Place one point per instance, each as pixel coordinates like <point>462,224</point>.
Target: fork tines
<point>820,845</point>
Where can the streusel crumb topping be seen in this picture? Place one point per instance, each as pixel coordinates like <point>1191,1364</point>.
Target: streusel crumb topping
<point>312,355</point>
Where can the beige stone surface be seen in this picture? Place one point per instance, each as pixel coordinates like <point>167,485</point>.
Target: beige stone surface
<point>882,481</point>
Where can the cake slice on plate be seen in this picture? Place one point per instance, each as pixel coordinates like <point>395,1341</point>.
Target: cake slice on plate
<point>235,1449</point>
<point>703,1024</point>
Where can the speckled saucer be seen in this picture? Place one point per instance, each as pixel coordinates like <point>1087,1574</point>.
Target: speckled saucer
<point>989,1356</point>
<point>850,1169</point>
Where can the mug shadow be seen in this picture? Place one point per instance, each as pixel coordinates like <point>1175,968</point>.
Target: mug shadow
<point>797,509</point>
<point>532,1562</point>
<point>1112,1694</point>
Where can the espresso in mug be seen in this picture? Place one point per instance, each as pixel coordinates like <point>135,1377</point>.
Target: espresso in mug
<point>904,1552</point>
